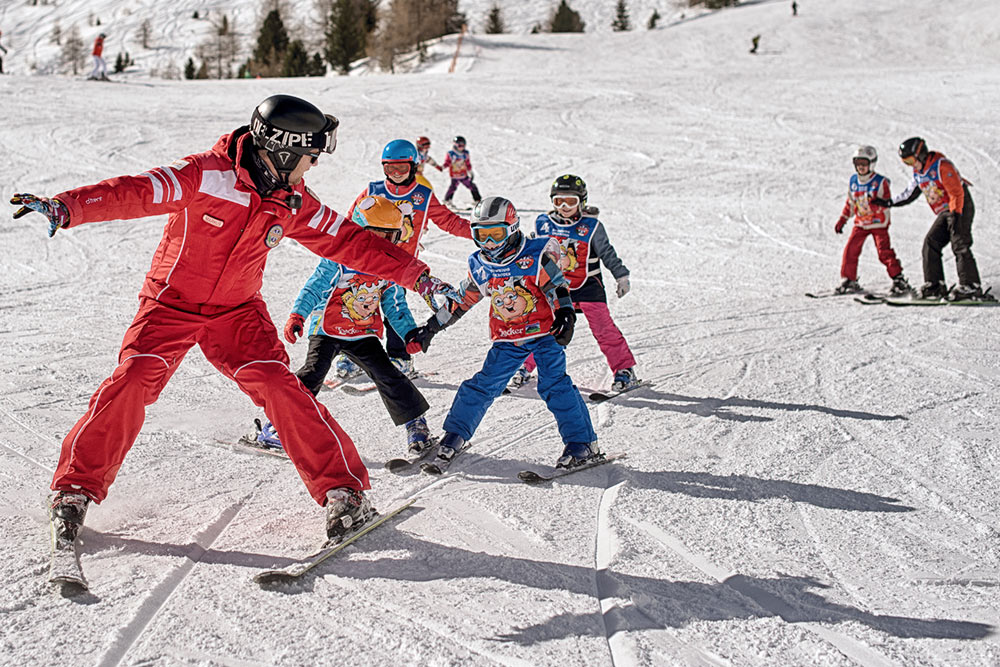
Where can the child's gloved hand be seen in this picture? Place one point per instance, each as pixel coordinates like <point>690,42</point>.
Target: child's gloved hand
<point>562,325</point>
<point>623,286</point>
<point>839,227</point>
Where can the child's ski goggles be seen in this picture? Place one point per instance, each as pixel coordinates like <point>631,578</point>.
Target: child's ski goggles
<point>565,201</point>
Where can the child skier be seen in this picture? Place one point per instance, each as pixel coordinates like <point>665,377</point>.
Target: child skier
<point>530,312</point>
<point>864,186</point>
<point>423,155</point>
<point>400,162</point>
<point>459,166</point>
<point>346,317</point>
<point>583,246</point>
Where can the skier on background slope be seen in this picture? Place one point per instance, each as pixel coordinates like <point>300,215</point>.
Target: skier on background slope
<point>459,166</point>
<point>345,306</point>
<point>864,186</point>
<point>530,313</point>
<point>948,195</point>
<point>401,185</point>
<point>583,246</point>
<point>423,155</point>
<point>228,207</point>
<point>100,72</point>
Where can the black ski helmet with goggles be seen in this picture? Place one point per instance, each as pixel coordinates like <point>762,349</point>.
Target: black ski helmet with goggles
<point>287,128</point>
<point>915,148</point>
<point>494,219</point>
<point>569,185</point>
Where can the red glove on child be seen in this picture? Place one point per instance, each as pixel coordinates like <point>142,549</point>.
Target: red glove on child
<point>839,227</point>
<point>293,327</point>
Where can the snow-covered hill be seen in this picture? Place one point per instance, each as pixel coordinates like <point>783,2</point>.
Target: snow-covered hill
<point>175,34</point>
<point>807,482</point>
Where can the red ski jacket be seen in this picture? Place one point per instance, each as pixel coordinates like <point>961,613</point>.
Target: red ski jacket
<point>219,231</point>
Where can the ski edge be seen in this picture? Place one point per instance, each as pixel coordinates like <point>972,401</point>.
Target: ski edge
<point>533,477</point>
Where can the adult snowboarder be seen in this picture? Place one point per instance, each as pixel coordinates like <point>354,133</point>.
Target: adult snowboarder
<point>228,208</point>
<point>864,186</point>
<point>948,195</point>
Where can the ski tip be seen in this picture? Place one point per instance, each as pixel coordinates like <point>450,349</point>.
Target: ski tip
<point>398,465</point>
<point>531,477</point>
<point>273,578</point>
<point>431,469</point>
<point>70,586</point>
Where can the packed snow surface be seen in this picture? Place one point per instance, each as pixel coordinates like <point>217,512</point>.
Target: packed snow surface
<point>807,481</point>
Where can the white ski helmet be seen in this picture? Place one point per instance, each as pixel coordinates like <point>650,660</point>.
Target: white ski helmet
<point>866,153</point>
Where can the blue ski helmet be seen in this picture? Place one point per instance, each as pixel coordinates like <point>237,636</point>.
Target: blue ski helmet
<point>399,150</point>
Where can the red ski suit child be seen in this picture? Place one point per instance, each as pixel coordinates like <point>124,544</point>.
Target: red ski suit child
<point>868,221</point>
<point>204,288</point>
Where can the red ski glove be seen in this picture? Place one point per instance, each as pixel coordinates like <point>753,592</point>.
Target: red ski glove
<point>293,327</point>
<point>839,227</point>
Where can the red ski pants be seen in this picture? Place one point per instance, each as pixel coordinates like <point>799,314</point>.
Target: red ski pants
<point>243,344</point>
<point>886,255</point>
<point>609,337</point>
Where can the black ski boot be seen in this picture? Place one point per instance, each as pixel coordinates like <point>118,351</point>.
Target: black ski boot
<point>66,512</point>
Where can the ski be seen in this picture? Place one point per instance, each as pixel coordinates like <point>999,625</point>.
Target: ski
<point>829,293</point>
<point>440,466</point>
<point>532,477</point>
<point>330,548</point>
<point>404,464</point>
<point>64,567</point>
<point>360,390</point>
<point>601,396</point>
<point>871,299</point>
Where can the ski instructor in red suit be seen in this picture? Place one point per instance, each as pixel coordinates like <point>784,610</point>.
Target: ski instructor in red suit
<point>228,207</point>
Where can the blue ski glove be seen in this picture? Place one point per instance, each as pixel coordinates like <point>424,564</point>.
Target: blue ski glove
<point>427,286</point>
<point>53,209</point>
<point>562,325</point>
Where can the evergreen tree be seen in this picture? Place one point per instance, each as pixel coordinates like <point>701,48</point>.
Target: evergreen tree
<point>345,35</point>
<point>621,22</point>
<point>653,19</point>
<point>272,42</point>
<point>564,19</point>
<point>296,62</point>
<point>145,31</point>
<point>189,70</point>
<point>316,66</point>
<point>494,21</point>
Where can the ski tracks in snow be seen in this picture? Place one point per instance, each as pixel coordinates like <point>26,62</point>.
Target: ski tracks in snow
<point>130,633</point>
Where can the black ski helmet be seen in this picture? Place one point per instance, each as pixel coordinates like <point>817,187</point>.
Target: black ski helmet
<point>569,184</point>
<point>459,139</point>
<point>289,127</point>
<point>913,147</point>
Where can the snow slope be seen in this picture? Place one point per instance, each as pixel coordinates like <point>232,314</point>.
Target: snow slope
<point>807,482</point>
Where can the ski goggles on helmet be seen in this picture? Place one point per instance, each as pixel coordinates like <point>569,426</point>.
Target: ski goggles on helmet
<point>565,201</point>
<point>274,139</point>
<point>396,169</point>
<point>497,233</point>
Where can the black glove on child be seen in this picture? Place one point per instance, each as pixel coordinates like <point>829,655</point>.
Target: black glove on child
<point>562,325</point>
<point>882,203</point>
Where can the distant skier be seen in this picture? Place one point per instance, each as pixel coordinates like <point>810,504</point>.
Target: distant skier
<point>756,42</point>
<point>100,72</point>
<point>346,315</point>
<point>459,166</point>
<point>948,195</point>
<point>864,186</point>
<point>795,8</point>
<point>583,246</point>
<point>4,49</point>
<point>531,312</point>
<point>401,185</point>
<point>423,155</point>
<point>228,208</point>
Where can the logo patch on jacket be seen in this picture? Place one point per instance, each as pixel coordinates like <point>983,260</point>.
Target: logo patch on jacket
<point>525,262</point>
<point>274,236</point>
<point>215,222</point>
